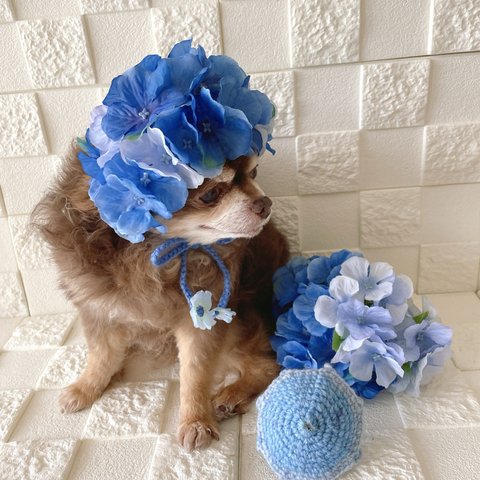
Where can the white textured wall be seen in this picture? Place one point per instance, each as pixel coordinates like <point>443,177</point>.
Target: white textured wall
<point>378,130</point>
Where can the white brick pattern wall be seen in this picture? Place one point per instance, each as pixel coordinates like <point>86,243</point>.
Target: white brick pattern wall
<point>369,112</point>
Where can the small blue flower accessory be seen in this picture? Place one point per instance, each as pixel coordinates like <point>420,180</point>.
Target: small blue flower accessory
<point>309,425</point>
<point>172,122</point>
<point>360,318</point>
<point>203,316</point>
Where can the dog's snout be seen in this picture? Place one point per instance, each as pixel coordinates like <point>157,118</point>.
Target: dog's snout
<point>261,207</point>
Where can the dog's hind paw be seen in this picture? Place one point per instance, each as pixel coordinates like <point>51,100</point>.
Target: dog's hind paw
<point>231,401</point>
<point>76,397</point>
<point>197,434</point>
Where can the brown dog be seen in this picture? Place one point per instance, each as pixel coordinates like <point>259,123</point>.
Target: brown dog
<point>125,302</point>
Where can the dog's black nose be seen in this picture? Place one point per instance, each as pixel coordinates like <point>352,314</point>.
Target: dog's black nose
<point>261,207</point>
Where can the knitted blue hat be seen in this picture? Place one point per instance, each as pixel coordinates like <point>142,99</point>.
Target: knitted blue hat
<point>309,425</point>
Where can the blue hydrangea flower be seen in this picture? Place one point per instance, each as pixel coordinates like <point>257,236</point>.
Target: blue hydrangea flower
<point>322,270</point>
<point>304,305</point>
<point>107,147</point>
<point>137,96</point>
<point>130,196</point>
<point>289,326</point>
<point>204,317</point>
<point>375,280</point>
<point>292,354</point>
<point>181,117</point>
<point>397,302</point>
<point>88,155</point>
<point>363,322</point>
<point>150,152</point>
<point>367,327</point>
<point>424,337</point>
<point>385,359</point>
<point>287,279</point>
<point>224,133</point>
<point>421,372</point>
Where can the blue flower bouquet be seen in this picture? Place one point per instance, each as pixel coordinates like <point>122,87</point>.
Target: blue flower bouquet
<point>360,318</point>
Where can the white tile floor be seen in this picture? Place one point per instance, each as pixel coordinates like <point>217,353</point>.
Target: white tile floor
<point>129,432</point>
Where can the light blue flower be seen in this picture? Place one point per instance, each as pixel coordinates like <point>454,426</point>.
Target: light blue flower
<point>203,316</point>
<point>385,359</point>
<point>375,280</point>
<point>396,302</point>
<point>421,372</point>
<point>108,148</point>
<point>424,337</point>
<point>341,290</point>
<point>151,153</point>
<point>363,322</point>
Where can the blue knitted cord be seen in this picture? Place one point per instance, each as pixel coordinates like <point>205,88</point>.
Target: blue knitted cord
<point>179,247</point>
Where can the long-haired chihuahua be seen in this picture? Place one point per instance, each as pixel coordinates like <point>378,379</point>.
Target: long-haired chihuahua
<point>126,303</point>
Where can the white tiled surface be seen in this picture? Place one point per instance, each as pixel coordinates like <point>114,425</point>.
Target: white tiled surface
<point>378,137</point>
<point>129,433</point>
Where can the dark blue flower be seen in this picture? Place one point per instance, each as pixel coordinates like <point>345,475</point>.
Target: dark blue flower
<point>254,104</point>
<point>304,305</point>
<point>287,279</point>
<point>290,327</point>
<point>137,96</point>
<point>336,259</point>
<point>181,135</point>
<point>224,133</point>
<point>320,347</point>
<point>223,69</point>
<point>367,390</point>
<point>292,354</point>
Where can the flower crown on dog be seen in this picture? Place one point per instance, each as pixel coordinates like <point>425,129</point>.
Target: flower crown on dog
<point>165,125</point>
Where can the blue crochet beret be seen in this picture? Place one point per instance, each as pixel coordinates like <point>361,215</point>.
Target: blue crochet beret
<point>309,425</point>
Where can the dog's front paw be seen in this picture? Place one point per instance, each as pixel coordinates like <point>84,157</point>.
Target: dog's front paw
<point>77,397</point>
<point>197,434</point>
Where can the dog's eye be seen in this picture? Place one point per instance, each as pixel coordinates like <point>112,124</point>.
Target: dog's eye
<point>253,173</point>
<point>211,195</point>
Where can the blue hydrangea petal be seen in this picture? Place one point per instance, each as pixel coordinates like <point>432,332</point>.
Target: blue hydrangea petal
<point>132,221</point>
<point>236,136</point>
<point>318,270</point>
<point>171,192</point>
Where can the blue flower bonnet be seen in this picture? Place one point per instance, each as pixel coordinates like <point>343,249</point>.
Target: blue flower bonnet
<point>164,126</point>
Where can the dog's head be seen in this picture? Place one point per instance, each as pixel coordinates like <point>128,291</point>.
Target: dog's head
<point>231,205</point>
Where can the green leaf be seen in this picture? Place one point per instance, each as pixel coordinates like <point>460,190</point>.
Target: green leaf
<point>421,317</point>
<point>368,303</point>
<point>82,144</point>
<point>406,368</point>
<point>336,341</point>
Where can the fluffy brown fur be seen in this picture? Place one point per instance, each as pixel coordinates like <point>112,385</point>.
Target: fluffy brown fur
<point>125,302</point>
